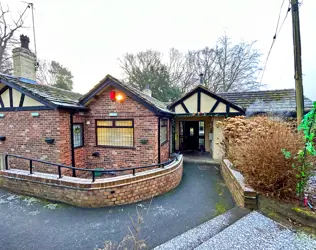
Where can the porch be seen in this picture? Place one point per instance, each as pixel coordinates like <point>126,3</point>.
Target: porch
<point>195,123</point>
<point>198,137</point>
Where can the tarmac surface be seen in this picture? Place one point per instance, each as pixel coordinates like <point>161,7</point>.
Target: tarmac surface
<point>29,223</point>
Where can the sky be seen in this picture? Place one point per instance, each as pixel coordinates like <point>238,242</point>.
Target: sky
<point>88,37</point>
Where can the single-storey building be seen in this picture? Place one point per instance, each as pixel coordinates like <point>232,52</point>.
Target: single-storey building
<point>115,125</point>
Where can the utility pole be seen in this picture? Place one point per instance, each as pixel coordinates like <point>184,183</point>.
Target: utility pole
<point>297,61</point>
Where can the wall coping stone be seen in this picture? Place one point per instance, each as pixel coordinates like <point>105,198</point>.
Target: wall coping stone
<point>239,177</point>
<point>244,195</point>
<point>83,183</point>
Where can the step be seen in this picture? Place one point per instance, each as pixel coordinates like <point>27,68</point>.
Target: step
<point>255,231</point>
<point>203,232</point>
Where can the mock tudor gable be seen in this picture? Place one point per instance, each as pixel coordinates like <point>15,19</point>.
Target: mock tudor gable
<point>201,101</point>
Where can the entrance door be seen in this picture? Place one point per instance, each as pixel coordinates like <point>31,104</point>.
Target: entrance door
<point>191,135</point>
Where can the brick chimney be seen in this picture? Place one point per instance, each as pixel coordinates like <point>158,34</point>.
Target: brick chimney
<point>147,90</point>
<point>24,60</point>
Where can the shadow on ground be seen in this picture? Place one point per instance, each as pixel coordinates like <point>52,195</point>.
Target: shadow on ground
<point>29,223</point>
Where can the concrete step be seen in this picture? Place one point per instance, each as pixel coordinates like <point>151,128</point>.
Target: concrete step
<point>255,231</point>
<point>196,236</point>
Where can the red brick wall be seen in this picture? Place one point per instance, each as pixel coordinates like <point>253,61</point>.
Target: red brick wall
<point>145,127</point>
<point>25,136</point>
<point>103,193</point>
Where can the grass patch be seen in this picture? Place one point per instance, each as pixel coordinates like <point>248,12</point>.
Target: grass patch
<point>220,208</point>
<point>304,211</point>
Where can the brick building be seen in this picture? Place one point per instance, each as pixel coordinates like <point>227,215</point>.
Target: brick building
<point>115,125</point>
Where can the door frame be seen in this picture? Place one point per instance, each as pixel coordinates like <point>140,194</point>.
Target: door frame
<point>182,131</point>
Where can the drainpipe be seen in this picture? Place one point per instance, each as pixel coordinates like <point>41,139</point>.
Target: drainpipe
<point>158,139</point>
<point>73,163</point>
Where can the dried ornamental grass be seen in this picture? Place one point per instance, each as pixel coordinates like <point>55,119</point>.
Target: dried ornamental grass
<point>254,146</point>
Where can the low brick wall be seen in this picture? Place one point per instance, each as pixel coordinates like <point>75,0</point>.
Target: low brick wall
<point>101,193</point>
<point>243,195</point>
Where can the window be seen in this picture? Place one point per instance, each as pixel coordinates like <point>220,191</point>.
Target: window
<point>163,131</point>
<point>78,135</point>
<point>201,134</point>
<point>115,133</point>
<point>201,128</point>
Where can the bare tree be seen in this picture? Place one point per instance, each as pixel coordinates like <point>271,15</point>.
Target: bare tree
<point>43,73</point>
<point>180,70</point>
<point>9,26</point>
<point>227,67</point>
<point>238,65</point>
<point>205,61</point>
<point>54,74</point>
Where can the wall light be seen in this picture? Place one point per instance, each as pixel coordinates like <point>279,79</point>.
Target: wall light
<point>119,97</point>
<point>35,114</point>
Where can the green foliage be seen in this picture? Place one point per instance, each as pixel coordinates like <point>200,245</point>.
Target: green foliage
<point>308,126</point>
<point>158,79</point>
<point>63,77</point>
<point>146,68</point>
<point>286,154</point>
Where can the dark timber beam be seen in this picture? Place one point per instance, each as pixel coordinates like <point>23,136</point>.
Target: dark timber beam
<point>185,108</point>
<point>21,100</point>
<point>215,106</point>
<point>199,101</point>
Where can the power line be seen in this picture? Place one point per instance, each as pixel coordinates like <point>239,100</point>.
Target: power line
<point>276,34</point>
<point>276,29</point>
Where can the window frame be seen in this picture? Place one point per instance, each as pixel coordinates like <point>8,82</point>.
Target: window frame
<point>113,126</point>
<point>82,134</point>
<point>167,132</point>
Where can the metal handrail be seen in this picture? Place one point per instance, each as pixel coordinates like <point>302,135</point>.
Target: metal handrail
<point>93,171</point>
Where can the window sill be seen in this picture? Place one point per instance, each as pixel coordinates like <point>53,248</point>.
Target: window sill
<point>116,147</point>
<point>163,143</point>
<point>79,147</point>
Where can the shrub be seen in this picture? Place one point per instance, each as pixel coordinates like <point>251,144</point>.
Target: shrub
<point>305,156</point>
<point>254,146</point>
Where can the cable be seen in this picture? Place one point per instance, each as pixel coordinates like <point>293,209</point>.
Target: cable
<point>28,6</point>
<point>276,29</point>
<point>276,34</point>
<point>287,13</point>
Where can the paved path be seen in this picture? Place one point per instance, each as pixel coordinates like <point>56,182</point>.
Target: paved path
<point>256,231</point>
<point>28,223</point>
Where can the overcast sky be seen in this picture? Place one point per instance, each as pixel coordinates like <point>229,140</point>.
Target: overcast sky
<point>88,37</point>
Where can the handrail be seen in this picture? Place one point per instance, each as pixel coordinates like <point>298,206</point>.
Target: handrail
<point>60,166</point>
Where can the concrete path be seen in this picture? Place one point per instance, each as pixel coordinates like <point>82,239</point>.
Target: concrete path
<point>255,231</point>
<point>28,223</point>
<point>202,233</point>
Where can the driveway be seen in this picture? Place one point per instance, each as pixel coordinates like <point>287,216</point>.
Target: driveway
<point>29,223</point>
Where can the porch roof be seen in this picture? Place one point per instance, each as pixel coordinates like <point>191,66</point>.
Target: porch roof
<point>201,100</point>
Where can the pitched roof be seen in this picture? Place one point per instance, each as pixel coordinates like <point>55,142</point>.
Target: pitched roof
<point>275,101</point>
<point>201,88</point>
<point>147,100</point>
<point>55,96</point>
